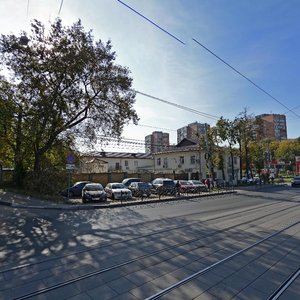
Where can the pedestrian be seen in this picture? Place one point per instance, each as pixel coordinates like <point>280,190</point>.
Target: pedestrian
<point>207,183</point>
<point>178,187</point>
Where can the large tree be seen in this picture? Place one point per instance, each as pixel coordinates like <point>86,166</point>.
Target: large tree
<point>227,132</point>
<point>63,84</point>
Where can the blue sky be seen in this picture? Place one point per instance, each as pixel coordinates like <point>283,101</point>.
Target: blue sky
<point>258,38</point>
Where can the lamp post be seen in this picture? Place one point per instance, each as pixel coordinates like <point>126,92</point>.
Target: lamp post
<point>24,40</point>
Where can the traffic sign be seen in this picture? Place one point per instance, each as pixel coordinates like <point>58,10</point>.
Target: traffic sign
<point>71,158</point>
<point>70,166</point>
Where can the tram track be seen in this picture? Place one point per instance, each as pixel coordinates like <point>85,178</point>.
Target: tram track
<point>184,281</point>
<point>140,237</point>
<point>136,259</point>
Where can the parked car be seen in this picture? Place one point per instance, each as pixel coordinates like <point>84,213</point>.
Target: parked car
<point>117,191</point>
<point>139,189</point>
<point>295,181</point>
<point>75,190</point>
<point>163,186</point>
<point>185,186</point>
<point>198,186</point>
<point>93,192</point>
<point>128,181</point>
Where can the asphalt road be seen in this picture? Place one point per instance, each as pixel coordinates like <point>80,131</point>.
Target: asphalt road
<point>237,246</point>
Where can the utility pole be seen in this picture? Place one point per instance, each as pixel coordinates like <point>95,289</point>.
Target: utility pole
<point>207,155</point>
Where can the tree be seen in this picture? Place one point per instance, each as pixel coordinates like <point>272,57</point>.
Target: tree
<point>227,131</point>
<point>246,134</point>
<point>62,85</point>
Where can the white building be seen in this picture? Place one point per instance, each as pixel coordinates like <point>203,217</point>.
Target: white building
<point>190,160</point>
<point>103,162</point>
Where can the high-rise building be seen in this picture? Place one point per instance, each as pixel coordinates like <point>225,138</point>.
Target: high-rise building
<point>157,142</point>
<point>271,126</point>
<point>191,131</point>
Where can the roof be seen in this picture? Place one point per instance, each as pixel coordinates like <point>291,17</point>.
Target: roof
<point>128,155</point>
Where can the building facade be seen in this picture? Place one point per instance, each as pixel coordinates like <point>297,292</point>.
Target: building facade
<point>190,160</point>
<point>271,126</point>
<point>103,162</point>
<point>156,142</point>
<point>192,131</point>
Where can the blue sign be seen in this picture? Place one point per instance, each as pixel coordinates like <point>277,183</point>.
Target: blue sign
<point>70,158</point>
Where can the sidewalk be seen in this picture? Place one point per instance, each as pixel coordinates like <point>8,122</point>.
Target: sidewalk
<point>19,201</point>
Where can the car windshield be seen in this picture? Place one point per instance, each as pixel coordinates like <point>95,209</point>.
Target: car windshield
<point>117,186</point>
<point>195,182</point>
<point>168,182</point>
<point>143,185</point>
<point>93,187</point>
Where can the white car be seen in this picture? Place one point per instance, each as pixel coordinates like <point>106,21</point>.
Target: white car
<point>117,191</point>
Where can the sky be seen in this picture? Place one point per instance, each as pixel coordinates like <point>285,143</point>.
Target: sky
<point>259,39</point>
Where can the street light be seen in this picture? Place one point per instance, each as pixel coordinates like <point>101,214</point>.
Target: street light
<point>24,40</point>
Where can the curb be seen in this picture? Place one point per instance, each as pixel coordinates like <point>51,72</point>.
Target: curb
<point>110,206</point>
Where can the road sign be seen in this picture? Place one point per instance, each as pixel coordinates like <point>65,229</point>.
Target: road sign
<point>70,166</point>
<point>71,158</point>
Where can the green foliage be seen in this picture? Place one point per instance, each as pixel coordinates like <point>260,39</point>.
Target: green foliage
<point>61,86</point>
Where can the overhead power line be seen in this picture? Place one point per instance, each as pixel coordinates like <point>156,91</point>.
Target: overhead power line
<point>181,106</point>
<point>154,127</point>
<point>218,57</point>
<point>61,4</point>
<point>245,77</point>
<point>153,23</point>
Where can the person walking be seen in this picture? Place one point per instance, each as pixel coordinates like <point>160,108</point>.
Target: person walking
<point>178,187</point>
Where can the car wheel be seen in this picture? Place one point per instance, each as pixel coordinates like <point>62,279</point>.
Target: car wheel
<point>112,196</point>
<point>84,200</point>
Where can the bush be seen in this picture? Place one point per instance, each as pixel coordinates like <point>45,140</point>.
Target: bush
<point>48,182</point>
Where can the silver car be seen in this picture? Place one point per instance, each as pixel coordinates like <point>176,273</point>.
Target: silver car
<point>117,191</point>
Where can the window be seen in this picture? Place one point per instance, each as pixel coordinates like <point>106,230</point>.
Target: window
<point>193,159</point>
<point>159,161</point>
<point>181,160</point>
<point>165,162</point>
<point>118,166</point>
<point>126,163</point>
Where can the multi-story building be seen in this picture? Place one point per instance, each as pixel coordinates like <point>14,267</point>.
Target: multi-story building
<point>191,131</point>
<point>157,142</point>
<point>191,161</point>
<point>271,126</point>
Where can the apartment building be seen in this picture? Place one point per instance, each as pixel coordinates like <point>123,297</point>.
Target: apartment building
<point>157,142</point>
<point>271,126</point>
<point>191,131</point>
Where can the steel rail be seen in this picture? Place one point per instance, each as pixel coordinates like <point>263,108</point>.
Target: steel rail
<point>205,270</point>
<point>97,272</point>
<point>131,239</point>
<point>285,285</point>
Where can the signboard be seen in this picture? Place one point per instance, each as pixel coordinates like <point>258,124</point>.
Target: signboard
<point>70,158</point>
<point>70,166</point>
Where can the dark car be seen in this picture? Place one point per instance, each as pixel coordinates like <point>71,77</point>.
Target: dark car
<point>75,190</point>
<point>163,186</point>
<point>295,181</point>
<point>128,181</point>
<point>140,189</point>
<point>93,192</point>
